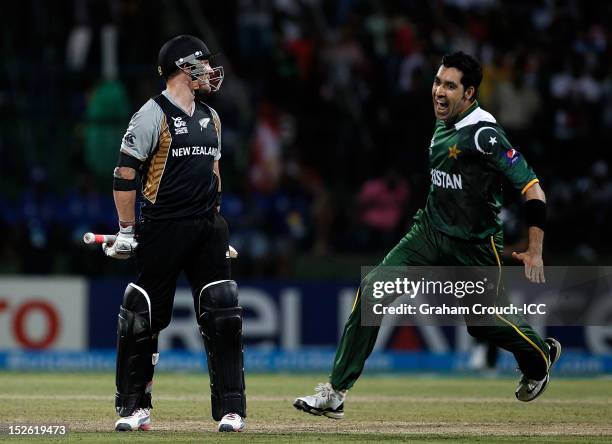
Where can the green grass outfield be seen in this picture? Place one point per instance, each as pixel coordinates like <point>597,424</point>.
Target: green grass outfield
<point>394,408</point>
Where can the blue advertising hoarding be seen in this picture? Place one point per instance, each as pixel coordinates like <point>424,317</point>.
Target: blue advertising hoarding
<point>70,323</point>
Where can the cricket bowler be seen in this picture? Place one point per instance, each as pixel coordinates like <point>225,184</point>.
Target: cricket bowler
<point>469,155</point>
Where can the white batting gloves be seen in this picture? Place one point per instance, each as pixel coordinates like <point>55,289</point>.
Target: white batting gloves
<point>124,246</point>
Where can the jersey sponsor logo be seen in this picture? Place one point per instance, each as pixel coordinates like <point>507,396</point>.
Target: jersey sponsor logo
<point>445,180</point>
<point>180,126</point>
<point>204,123</point>
<point>453,151</point>
<point>512,156</point>
<point>129,140</point>
<point>195,151</point>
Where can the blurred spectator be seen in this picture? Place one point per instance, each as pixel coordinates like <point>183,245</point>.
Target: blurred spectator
<point>107,112</point>
<point>266,161</point>
<point>37,222</point>
<point>594,199</point>
<point>515,104</point>
<point>380,205</point>
<point>87,209</point>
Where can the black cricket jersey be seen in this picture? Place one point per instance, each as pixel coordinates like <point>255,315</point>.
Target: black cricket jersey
<point>178,152</point>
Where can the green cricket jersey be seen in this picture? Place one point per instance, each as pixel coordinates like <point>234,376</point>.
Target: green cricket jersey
<point>468,158</point>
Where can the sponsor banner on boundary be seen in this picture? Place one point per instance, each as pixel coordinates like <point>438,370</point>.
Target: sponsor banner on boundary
<point>314,360</point>
<point>279,314</point>
<point>41,313</point>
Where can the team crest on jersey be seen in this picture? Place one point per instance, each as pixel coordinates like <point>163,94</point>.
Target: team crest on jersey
<point>453,151</point>
<point>204,123</point>
<point>180,126</point>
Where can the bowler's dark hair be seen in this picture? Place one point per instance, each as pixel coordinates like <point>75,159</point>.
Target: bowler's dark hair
<point>468,65</point>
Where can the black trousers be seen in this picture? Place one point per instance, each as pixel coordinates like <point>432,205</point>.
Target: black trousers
<point>197,246</point>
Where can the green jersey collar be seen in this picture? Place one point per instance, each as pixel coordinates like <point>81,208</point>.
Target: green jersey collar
<point>470,109</point>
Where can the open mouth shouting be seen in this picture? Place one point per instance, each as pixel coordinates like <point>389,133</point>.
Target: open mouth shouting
<point>441,107</point>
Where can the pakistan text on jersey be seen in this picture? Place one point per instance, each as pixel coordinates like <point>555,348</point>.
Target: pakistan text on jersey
<point>195,151</point>
<point>446,180</point>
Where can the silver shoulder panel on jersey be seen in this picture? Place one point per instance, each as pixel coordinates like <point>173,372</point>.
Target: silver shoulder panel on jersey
<point>142,133</point>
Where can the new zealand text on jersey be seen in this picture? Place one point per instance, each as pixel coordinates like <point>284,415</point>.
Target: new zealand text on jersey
<point>195,151</point>
<point>445,180</point>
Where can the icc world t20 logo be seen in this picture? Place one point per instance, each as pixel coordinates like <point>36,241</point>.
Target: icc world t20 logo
<point>180,126</point>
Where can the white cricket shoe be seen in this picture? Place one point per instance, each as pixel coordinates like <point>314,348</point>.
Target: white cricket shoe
<point>529,389</point>
<point>326,401</point>
<point>139,420</point>
<point>231,422</point>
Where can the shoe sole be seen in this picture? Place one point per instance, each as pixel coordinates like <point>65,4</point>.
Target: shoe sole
<point>304,407</point>
<point>542,390</point>
<point>229,428</point>
<point>124,427</point>
<point>552,342</point>
<point>128,428</point>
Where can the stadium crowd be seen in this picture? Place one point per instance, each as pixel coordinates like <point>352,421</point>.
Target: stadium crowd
<point>326,112</point>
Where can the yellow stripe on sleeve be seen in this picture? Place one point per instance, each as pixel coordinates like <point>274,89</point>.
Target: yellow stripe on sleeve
<point>531,183</point>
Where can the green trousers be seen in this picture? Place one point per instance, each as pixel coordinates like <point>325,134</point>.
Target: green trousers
<point>424,245</point>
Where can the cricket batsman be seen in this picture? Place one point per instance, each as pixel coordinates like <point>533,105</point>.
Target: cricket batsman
<point>459,226</point>
<point>172,149</point>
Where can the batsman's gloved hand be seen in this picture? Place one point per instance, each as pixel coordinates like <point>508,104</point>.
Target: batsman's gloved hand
<point>125,244</point>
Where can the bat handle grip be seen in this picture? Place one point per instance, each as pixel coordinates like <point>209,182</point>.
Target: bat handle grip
<point>92,238</point>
